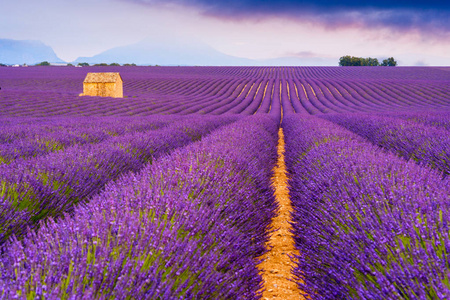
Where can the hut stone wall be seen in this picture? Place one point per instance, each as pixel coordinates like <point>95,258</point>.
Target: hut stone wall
<point>103,85</point>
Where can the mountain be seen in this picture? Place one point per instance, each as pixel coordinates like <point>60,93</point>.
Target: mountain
<point>26,51</point>
<point>189,52</point>
<point>167,52</point>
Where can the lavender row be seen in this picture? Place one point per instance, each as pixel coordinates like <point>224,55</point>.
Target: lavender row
<point>311,97</point>
<point>53,184</point>
<point>69,78</point>
<point>177,92</point>
<point>367,224</point>
<point>190,226</point>
<point>430,118</point>
<point>28,128</point>
<point>35,140</point>
<point>424,144</point>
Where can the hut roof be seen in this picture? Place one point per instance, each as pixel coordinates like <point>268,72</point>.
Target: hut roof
<point>102,77</point>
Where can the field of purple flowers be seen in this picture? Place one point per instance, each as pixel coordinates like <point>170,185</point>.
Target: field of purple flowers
<point>166,193</point>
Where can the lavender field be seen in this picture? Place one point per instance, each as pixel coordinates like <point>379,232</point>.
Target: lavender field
<point>167,193</point>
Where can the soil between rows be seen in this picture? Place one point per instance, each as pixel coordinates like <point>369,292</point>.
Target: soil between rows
<point>276,264</point>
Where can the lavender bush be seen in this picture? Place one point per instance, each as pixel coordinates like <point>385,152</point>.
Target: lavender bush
<point>367,224</point>
<point>53,184</point>
<point>431,118</point>
<point>188,226</point>
<point>40,138</point>
<point>424,144</point>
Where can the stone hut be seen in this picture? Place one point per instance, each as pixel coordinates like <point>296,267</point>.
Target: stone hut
<point>103,85</point>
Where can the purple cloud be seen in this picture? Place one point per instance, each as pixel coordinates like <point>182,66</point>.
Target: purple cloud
<point>401,14</point>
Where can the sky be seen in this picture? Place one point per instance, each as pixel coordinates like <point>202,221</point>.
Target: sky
<point>414,32</point>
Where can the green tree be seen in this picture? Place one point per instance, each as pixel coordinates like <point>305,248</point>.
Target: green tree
<point>369,61</point>
<point>345,60</point>
<point>83,64</point>
<point>115,64</point>
<point>44,63</point>
<point>389,62</point>
<point>352,61</point>
<point>372,62</point>
<point>101,65</point>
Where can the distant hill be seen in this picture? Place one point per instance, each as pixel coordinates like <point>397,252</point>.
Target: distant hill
<point>184,52</point>
<point>168,53</point>
<point>151,51</point>
<point>26,51</point>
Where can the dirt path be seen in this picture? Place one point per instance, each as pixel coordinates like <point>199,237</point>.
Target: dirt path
<point>276,266</point>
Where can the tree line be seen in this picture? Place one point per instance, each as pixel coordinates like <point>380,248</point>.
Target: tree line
<point>369,61</point>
